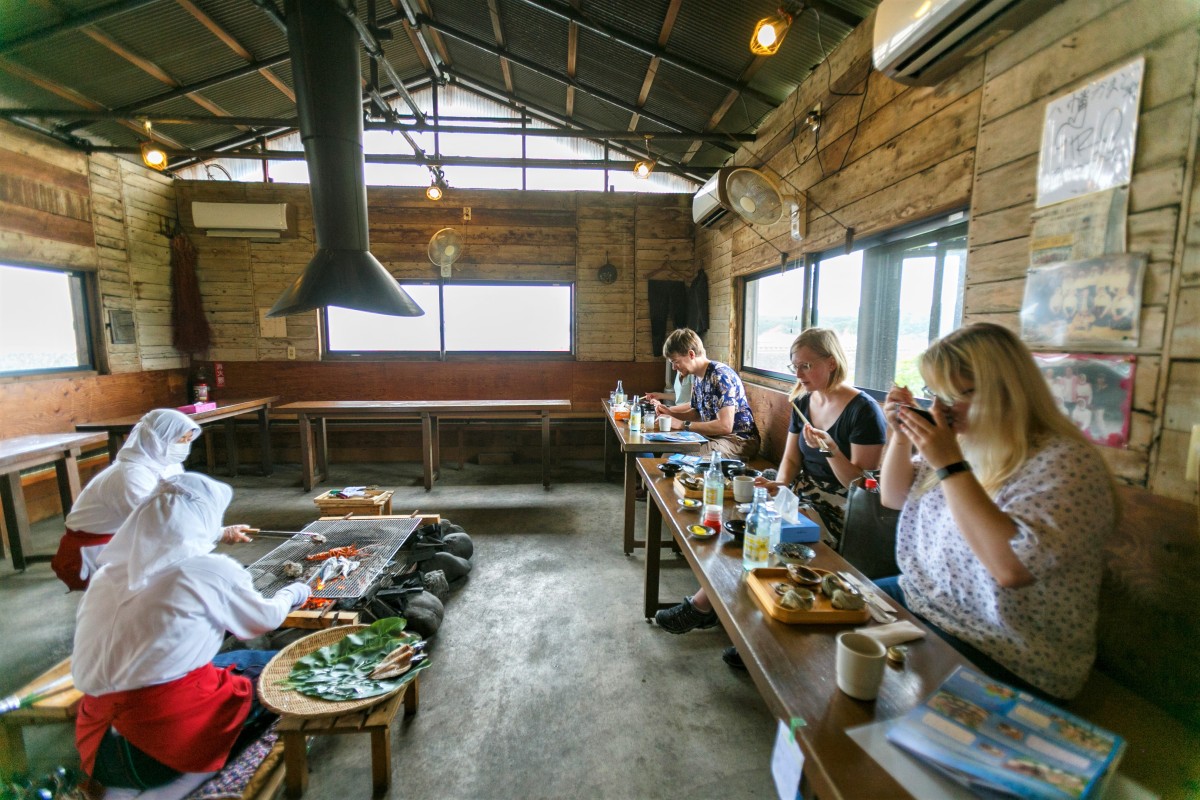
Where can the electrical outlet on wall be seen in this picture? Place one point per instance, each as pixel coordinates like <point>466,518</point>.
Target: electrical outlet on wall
<point>291,352</point>
<point>466,213</point>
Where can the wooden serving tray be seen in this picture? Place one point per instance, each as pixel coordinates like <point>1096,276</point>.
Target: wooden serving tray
<point>683,491</point>
<point>762,582</point>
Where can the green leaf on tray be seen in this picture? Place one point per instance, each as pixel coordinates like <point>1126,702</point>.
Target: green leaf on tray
<point>339,671</point>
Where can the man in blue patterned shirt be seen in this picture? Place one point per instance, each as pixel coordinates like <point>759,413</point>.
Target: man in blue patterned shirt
<point>718,410</point>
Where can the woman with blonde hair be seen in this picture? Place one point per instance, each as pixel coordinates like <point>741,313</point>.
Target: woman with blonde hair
<point>836,433</point>
<point>1006,508</point>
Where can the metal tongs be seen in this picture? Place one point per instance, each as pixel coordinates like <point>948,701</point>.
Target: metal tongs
<point>878,608</point>
<point>316,537</point>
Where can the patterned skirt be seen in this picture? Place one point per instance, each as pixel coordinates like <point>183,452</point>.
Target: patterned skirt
<point>828,498</point>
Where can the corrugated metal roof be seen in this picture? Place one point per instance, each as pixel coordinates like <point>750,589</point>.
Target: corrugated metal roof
<point>712,34</point>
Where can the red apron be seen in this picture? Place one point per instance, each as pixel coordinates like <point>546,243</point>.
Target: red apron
<point>68,563</point>
<point>189,724</point>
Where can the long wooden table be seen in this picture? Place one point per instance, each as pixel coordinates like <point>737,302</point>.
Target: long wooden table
<point>118,428</point>
<point>312,416</point>
<point>631,444</point>
<point>793,666</point>
<point>28,452</point>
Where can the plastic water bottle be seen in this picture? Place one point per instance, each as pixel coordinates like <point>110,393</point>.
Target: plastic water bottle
<point>756,548</point>
<point>714,493</point>
<point>635,415</point>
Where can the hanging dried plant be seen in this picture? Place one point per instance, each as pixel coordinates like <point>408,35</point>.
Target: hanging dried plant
<point>191,331</point>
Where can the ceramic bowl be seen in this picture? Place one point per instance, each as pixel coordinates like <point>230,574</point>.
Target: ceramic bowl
<point>728,466</point>
<point>690,503</point>
<point>737,528</point>
<point>794,553</point>
<point>701,531</point>
<point>670,468</point>
<point>750,472</point>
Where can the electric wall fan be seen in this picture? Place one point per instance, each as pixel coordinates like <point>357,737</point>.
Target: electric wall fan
<point>445,247</point>
<point>756,198</point>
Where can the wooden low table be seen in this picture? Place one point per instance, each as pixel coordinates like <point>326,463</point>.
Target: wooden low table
<point>28,452</point>
<point>314,449</point>
<point>376,721</point>
<point>57,709</point>
<point>632,444</point>
<point>118,428</point>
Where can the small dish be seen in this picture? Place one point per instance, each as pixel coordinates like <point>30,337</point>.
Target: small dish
<point>670,468</point>
<point>749,472</point>
<point>690,503</point>
<point>794,553</point>
<point>701,531</point>
<point>737,528</point>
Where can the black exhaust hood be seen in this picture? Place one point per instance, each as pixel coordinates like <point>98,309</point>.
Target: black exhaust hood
<point>325,67</point>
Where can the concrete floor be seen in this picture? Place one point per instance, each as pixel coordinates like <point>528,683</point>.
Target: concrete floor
<point>546,680</point>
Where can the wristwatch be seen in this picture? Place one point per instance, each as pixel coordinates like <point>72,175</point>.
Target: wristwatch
<point>687,425</point>
<point>953,469</point>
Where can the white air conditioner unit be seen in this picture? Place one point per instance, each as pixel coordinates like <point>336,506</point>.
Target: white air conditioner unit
<point>706,203</point>
<point>924,41</point>
<point>241,220</point>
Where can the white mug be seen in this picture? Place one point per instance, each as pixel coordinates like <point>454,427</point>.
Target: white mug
<point>743,488</point>
<point>664,424</point>
<point>860,662</point>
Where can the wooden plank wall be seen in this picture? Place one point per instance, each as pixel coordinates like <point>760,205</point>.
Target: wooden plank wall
<point>99,214</point>
<point>889,154</point>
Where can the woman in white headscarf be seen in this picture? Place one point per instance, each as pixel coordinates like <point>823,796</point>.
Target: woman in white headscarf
<point>156,448</point>
<point>155,706</point>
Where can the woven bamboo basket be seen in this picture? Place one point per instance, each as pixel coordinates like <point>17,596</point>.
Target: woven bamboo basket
<point>291,702</point>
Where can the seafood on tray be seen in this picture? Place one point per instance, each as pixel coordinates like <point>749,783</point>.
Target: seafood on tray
<point>349,551</point>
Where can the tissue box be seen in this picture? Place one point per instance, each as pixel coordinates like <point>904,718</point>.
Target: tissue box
<point>803,530</point>
<point>196,408</point>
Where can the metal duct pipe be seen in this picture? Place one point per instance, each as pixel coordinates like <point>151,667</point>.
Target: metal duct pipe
<point>325,67</point>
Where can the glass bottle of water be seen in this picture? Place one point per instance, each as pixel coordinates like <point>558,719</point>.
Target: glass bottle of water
<point>619,395</point>
<point>759,522</point>
<point>635,415</point>
<point>714,492</point>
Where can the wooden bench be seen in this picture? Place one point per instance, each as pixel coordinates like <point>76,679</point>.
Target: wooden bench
<point>376,721</point>
<point>57,709</point>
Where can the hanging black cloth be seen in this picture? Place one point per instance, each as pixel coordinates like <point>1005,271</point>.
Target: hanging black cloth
<point>697,300</point>
<point>667,299</point>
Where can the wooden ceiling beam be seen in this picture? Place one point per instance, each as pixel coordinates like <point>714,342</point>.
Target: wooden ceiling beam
<point>72,96</point>
<point>438,42</point>
<point>417,38</point>
<point>76,22</point>
<point>498,33</point>
<point>227,38</point>
<point>749,72</point>
<point>664,34</point>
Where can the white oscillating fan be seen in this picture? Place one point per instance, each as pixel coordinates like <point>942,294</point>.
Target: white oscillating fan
<point>756,198</point>
<point>445,247</point>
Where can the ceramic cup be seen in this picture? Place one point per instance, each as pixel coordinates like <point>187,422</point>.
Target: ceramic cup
<point>743,488</point>
<point>860,662</point>
<point>664,424</point>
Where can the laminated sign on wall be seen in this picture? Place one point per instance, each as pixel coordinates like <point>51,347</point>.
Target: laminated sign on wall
<point>1089,135</point>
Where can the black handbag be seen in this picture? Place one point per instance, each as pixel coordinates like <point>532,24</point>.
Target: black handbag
<point>869,532</point>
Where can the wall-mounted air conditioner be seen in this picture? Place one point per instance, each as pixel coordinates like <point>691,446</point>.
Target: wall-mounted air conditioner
<point>924,41</point>
<point>706,203</point>
<point>241,220</point>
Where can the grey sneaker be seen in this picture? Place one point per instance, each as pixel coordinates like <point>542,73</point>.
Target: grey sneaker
<point>684,617</point>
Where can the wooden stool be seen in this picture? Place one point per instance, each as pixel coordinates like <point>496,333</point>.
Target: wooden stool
<point>376,720</point>
<point>59,708</point>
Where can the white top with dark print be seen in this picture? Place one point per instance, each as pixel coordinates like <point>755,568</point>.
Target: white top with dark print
<point>1062,503</point>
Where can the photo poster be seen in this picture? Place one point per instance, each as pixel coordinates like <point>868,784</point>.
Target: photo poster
<point>1089,135</point>
<point>1086,227</point>
<point>1096,302</point>
<point>1095,391</point>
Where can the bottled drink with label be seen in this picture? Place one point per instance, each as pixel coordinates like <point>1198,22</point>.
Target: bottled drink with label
<point>756,546</point>
<point>714,492</point>
<point>619,395</point>
<point>635,416</point>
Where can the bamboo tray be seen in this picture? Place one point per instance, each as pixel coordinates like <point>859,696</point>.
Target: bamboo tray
<point>288,701</point>
<point>762,583</point>
<point>683,491</point>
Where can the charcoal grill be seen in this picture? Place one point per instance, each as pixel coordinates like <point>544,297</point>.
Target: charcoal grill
<point>380,539</point>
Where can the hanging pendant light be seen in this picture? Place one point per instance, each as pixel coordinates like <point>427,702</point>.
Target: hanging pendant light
<point>643,168</point>
<point>437,184</point>
<point>769,32</point>
<point>153,156</point>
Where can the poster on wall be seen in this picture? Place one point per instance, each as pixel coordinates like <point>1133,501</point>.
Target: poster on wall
<point>1096,302</point>
<point>1088,136</point>
<point>1095,391</point>
<point>1086,227</point>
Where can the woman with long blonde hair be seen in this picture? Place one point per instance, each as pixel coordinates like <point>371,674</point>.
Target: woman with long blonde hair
<point>1005,513</point>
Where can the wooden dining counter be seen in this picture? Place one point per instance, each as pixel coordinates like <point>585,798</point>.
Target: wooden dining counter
<point>312,414</point>
<point>793,666</point>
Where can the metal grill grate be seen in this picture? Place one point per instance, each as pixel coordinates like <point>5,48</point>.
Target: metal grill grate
<point>379,539</point>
